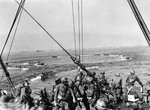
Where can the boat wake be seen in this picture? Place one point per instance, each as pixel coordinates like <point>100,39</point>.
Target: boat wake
<point>16,68</point>
<point>36,78</point>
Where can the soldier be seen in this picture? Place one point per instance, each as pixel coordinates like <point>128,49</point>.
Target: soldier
<point>132,78</point>
<point>90,91</point>
<point>116,87</point>
<point>102,79</point>
<point>102,82</point>
<point>63,98</point>
<point>25,94</point>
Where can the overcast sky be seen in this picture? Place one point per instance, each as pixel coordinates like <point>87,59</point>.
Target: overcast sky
<point>107,23</point>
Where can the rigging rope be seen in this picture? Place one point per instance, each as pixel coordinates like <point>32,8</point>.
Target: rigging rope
<point>16,16</point>
<point>74,29</point>
<point>7,75</point>
<point>12,41</point>
<point>82,27</point>
<point>14,34</point>
<point>1,60</point>
<point>140,20</point>
<point>79,29</point>
<point>74,59</point>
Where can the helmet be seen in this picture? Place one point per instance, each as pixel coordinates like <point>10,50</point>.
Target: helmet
<point>64,80</point>
<point>81,73</point>
<point>117,74</point>
<point>94,73</point>
<point>36,102</point>
<point>100,105</point>
<point>132,71</point>
<point>78,78</point>
<point>102,72</point>
<point>25,83</point>
<point>70,83</point>
<point>89,79</point>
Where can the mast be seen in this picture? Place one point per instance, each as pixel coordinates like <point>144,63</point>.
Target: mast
<point>140,20</point>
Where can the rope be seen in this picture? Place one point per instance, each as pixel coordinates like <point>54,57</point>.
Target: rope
<point>140,20</point>
<point>7,74</point>
<point>79,27</point>
<point>1,60</point>
<point>17,13</point>
<point>82,27</point>
<point>12,42</point>
<point>74,29</point>
<point>14,35</point>
<point>75,60</point>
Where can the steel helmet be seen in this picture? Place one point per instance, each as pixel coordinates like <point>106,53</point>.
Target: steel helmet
<point>132,71</point>
<point>100,105</point>
<point>117,74</point>
<point>64,80</point>
<point>36,101</point>
<point>89,79</point>
<point>78,78</point>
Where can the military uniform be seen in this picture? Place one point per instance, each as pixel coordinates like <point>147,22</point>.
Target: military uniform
<point>25,94</point>
<point>133,78</point>
<point>63,97</point>
<point>116,87</point>
<point>91,91</point>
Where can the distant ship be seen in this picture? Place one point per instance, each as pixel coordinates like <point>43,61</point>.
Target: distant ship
<point>54,56</point>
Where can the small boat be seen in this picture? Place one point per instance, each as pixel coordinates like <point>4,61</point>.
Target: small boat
<point>97,54</point>
<point>54,56</point>
<point>38,64</point>
<point>45,75</point>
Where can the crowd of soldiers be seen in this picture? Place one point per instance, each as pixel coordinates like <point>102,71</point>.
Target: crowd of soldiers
<point>83,92</point>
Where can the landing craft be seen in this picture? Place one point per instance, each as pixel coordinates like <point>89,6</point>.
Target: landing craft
<point>54,56</point>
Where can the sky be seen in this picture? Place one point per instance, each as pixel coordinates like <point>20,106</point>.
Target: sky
<point>106,23</point>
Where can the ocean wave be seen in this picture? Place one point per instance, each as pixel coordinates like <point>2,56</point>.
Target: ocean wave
<point>35,78</point>
<point>114,56</point>
<point>24,69</point>
<point>93,67</point>
<point>38,65</point>
<point>16,68</point>
<point>26,63</point>
<point>13,68</point>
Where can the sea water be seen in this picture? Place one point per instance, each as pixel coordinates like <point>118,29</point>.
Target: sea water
<point>112,61</point>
